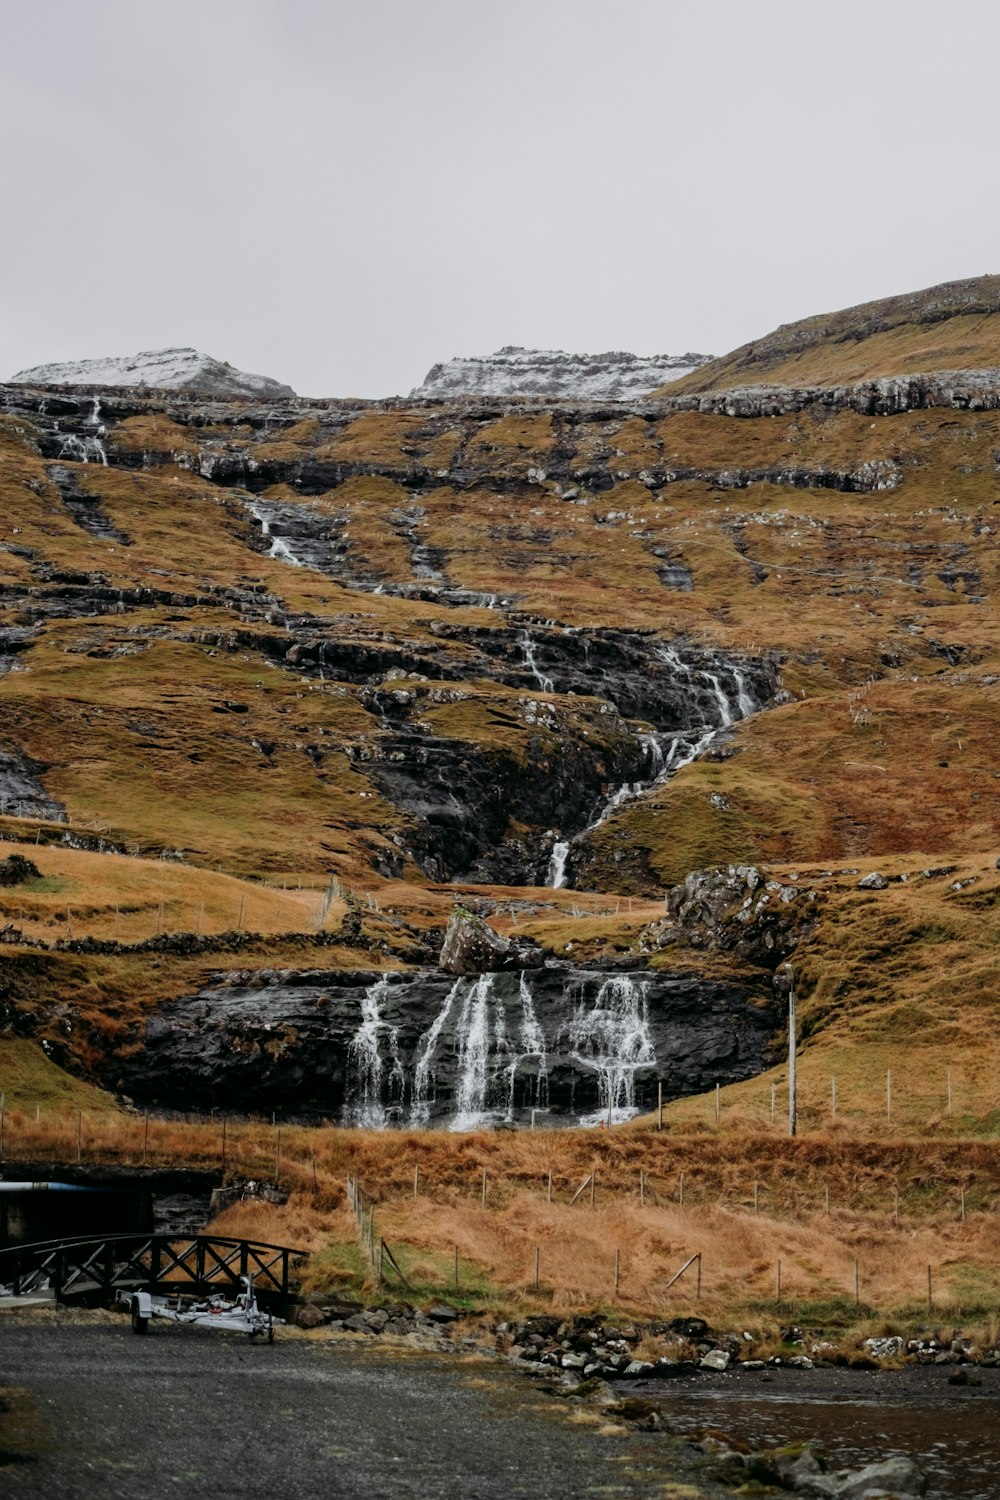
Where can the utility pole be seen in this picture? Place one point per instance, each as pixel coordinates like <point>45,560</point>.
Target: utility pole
<point>784,979</point>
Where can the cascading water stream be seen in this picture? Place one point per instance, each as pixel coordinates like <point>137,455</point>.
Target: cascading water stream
<point>90,448</point>
<point>612,1039</point>
<point>529,650</point>
<point>683,747</point>
<point>490,1035</point>
<point>279,547</point>
<point>365,1067</point>
<point>556,876</point>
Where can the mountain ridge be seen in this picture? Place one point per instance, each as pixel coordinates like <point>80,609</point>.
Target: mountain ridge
<point>179,369</point>
<point>552,373</point>
<point>954,325</point>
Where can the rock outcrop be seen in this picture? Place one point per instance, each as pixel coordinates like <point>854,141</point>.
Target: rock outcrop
<point>554,375</point>
<point>735,909</point>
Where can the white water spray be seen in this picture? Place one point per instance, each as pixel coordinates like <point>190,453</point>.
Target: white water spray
<point>612,1039</point>
<point>529,650</point>
<point>366,1084</point>
<point>556,876</point>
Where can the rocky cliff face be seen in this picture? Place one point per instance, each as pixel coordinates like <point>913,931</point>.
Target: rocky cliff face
<point>376,1049</point>
<point>555,376</point>
<point>158,369</point>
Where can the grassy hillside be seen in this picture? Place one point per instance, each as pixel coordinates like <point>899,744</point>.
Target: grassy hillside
<point>955,326</point>
<point>182,690</point>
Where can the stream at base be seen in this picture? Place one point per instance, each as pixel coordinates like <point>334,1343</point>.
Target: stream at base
<point>855,1418</point>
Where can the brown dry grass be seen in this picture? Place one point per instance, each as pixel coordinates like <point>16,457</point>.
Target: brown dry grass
<point>117,897</point>
<point>740,1247</point>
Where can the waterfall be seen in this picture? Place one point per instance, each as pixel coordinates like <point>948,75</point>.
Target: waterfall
<point>611,1038</point>
<point>88,449</point>
<point>533,1045</point>
<point>654,753</point>
<point>365,1068</point>
<point>423,1078</point>
<point>725,708</point>
<point>528,649</point>
<point>474,1037</point>
<point>279,547</point>
<point>744,701</point>
<point>489,1048</point>
<point>684,747</point>
<point>556,876</point>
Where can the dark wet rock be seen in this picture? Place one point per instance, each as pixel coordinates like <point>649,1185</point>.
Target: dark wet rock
<point>284,1038</point>
<point>22,792</point>
<point>84,507</point>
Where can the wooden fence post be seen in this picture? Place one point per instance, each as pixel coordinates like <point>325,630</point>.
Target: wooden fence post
<point>618,1270</point>
<point>538,1261</point>
<point>659,1106</point>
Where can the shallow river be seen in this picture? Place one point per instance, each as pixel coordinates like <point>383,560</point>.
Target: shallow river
<point>953,1432</point>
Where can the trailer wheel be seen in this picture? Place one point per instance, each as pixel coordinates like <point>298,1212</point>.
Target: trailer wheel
<point>139,1323</point>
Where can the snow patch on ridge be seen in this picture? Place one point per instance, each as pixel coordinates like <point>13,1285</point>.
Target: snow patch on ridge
<point>512,371</point>
<point>160,369</point>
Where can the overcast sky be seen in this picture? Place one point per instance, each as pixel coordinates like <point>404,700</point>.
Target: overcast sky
<point>339,193</point>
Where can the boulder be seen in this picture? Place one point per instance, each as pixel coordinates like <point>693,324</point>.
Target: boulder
<point>896,1477</point>
<point>442,1312</point>
<point>874,881</point>
<point>309,1316</point>
<point>715,1359</point>
<point>472,947</point>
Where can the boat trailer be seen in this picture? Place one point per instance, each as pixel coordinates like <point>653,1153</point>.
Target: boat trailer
<point>241,1315</point>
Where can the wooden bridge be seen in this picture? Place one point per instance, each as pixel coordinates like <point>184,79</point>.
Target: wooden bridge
<point>99,1267</point>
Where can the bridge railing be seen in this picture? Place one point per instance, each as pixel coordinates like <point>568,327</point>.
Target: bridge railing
<point>105,1264</point>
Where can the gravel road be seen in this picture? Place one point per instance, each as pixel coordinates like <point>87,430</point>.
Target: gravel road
<point>99,1412</point>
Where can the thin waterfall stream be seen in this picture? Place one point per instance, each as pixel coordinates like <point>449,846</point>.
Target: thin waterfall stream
<point>665,754</point>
